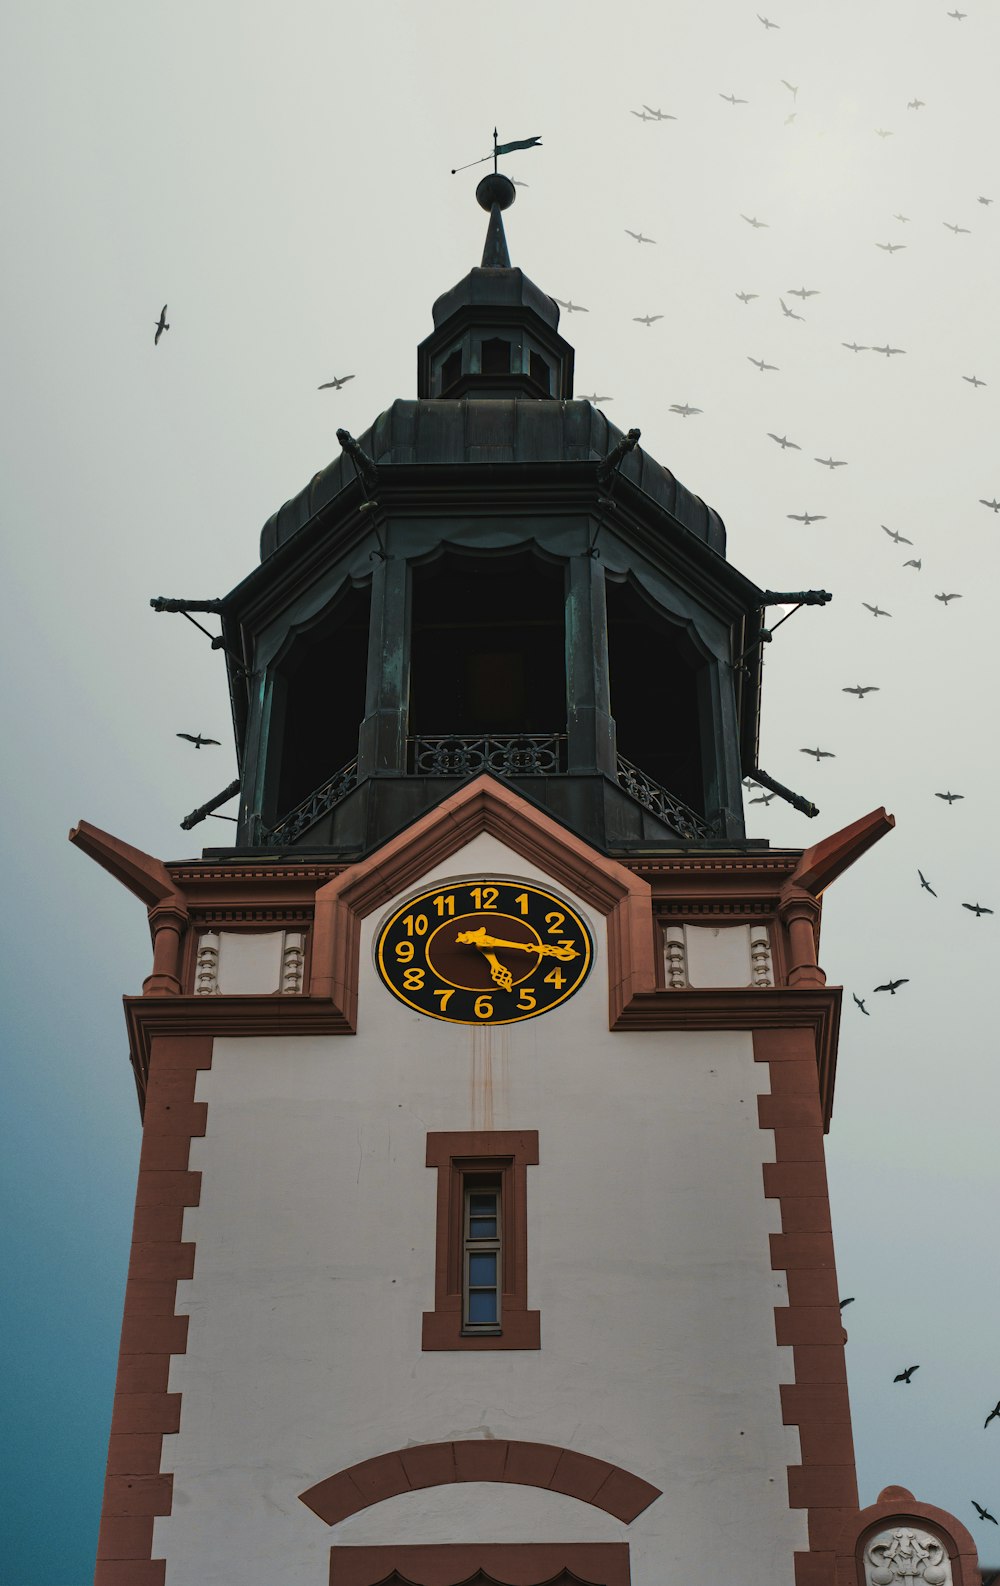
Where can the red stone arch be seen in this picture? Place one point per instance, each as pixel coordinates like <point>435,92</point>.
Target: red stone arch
<point>546,1465</point>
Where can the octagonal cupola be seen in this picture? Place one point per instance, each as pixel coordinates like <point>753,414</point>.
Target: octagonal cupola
<point>495,332</point>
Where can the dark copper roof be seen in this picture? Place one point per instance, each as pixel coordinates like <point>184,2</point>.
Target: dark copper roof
<point>494,430</point>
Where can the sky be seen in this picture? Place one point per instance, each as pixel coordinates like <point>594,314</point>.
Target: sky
<point>281,177</point>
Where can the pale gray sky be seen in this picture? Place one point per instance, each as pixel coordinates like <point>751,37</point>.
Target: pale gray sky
<point>280,176</point>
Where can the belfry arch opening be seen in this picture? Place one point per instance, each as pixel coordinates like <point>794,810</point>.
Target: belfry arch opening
<point>655,694</point>
<point>319,701</point>
<point>488,646</point>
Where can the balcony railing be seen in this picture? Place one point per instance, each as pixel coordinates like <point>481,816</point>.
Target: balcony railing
<point>659,802</point>
<point>526,754</point>
<point>319,802</point>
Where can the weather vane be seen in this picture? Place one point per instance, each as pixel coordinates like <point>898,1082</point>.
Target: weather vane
<point>498,149</point>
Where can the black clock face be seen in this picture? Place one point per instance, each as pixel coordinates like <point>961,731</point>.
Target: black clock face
<point>484,952</point>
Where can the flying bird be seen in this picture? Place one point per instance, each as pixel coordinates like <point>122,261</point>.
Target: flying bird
<point>958,230</point>
<point>197,739</point>
<point>891,247</point>
<point>982,200</point>
<point>977,909</point>
<point>973,380</point>
<point>853,346</point>
<point>820,754</point>
<point>683,409</point>
<point>784,442</point>
<point>917,563</point>
<point>793,91</point>
<point>904,1376</point>
<point>861,1004</point>
<point>807,517</point>
<point>995,504</point>
<point>889,351</point>
<point>747,297</point>
<point>915,104</point>
<point>767,23</point>
<point>925,884</point>
<point>993,1415</point>
<point>789,313</point>
<point>803,291</point>
<point>641,114</point>
<point>895,536</point>
<point>761,365</point>
<point>949,797</point>
<point>904,218</point>
<point>830,462</point>
<point>944,599</point>
<point>571,307</point>
<point>659,115</point>
<point>880,132</point>
<point>984,1514</point>
<point>765,798</point>
<point>646,319</point>
<point>848,1301</point>
<point>868,688</point>
<point>336,383</point>
<point>959,16</point>
<point>593,397</point>
<point>732,99</point>
<point>161,325</point>
<point>876,611</point>
<point>639,236</point>
<point>751,220</point>
<point>890,987</point>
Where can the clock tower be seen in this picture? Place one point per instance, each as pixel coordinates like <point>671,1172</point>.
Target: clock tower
<point>481,1229</point>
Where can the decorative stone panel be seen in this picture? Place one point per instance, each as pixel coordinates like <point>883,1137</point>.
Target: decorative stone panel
<point>249,963</point>
<point>710,955</point>
<point>906,1556</point>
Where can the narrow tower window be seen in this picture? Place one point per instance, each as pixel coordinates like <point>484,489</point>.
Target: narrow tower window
<point>451,369</point>
<point>494,357</point>
<point>540,372</point>
<point>481,1253</point>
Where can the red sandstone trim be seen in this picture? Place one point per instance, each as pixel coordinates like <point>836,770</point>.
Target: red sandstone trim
<point>896,1506</point>
<point>825,1483</point>
<point>135,1491</point>
<point>546,1465</point>
<point>512,1563</point>
<point>508,1153</point>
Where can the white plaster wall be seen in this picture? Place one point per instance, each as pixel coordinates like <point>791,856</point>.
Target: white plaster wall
<point>647,1258</point>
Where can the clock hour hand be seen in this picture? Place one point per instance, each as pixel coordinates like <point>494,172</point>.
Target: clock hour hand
<point>501,976</point>
<point>479,938</point>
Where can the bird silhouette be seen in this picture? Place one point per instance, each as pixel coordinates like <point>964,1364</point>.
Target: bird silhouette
<point>593,397</point>
<point>880,132</point>
<point>904,1376</point>
<point>765,798</point>
<point>982,200</point>
<point>793,91</point>
<point>978,909</point>
<point>861,1004</point>
<point>984,1514</point>
<point>639,236</point>
<point>945,598</point>
<point>803,291</point>
<point>852,346</point>
<point>995,504</point>
<point>732,99</point>
<point>993,1415</point>
<point>925,884</point>
<point>889,351</point>
<point>784,442</point>
<point>915,104</point>
<point>904,218</point>
<point>642,115</point>
<point>747,297</point>
<point>876,611</point>
<point>161,325</point>
<point>767,22</point>
<point>761,365</point>
<point>819,754</point>
<point>571,307</point>
<point>949,798</point>
<point>917,563</point>
<point>336,383</point>
<point>646,319</point>
<point>789,313</point>
<point>830,462</point>
<point>890,986</point>
<point>868,688</point>
<point>959,16</point>
<point>895,536</point>
<point>973,380</point>
<point>751,220</point>
<point>683,409</point>
<point>958,230</point>
<point>197,739</point>
<point>659,115</point>
<point>891,247</point>
<point>807,517</point>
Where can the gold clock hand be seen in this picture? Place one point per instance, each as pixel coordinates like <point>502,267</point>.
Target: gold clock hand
<point>501,976</point>
<point>479,938</point>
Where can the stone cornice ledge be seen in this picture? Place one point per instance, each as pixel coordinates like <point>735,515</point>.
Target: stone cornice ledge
<point>148,1017</point>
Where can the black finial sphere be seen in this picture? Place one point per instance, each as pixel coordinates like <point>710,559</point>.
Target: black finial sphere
<point>496,189</point>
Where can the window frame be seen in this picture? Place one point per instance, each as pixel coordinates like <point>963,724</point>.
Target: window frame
<point>461,1159</point>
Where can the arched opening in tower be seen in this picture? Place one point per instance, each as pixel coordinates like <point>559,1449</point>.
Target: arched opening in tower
<point>655,687</point>
<point>319,701</point>
<point>488,647</point>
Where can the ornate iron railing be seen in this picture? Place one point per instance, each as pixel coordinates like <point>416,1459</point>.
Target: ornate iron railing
<point>659,802</point>
<point>526,754</point>
<point>319,802</point>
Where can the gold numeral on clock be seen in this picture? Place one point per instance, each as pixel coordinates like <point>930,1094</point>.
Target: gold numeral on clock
<point>413,979</point>
<point>445,997</point>
<point>484,1008</point>
<point>522,902</point>
<point>555,977</point>
<point>404,952</point>
<point>526,1001</point>
<point>486,897</point>
<point>445,904</point>
<point>416,924</point>
<point>554,921</point>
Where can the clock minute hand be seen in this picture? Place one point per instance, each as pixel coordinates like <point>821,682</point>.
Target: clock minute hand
<point>479,938</point>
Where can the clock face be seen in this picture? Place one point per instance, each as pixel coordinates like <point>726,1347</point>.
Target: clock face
<point>484,952</point>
